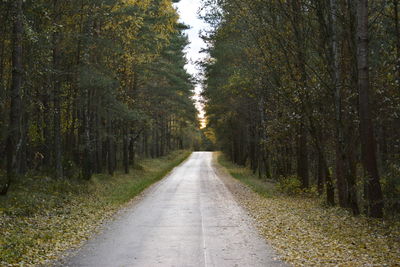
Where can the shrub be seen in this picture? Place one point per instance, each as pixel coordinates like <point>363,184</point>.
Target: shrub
<point>289,185</point>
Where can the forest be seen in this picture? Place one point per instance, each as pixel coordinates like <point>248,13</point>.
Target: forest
<point>88,86</point>
<point>307,93</point>
<point>106,158</point>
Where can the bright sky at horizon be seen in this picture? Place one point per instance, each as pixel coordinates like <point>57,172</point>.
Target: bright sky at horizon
<point>187,10</point>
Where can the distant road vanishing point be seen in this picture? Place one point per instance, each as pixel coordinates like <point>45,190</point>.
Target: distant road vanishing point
<point>189,218</point>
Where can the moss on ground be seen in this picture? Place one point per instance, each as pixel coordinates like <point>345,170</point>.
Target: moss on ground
<point>40,217</point>
<point>305,233</point>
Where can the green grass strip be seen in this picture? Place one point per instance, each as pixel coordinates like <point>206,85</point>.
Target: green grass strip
<point>246,176</point>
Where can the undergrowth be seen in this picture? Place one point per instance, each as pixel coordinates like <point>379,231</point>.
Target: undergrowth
<point>42,217</point>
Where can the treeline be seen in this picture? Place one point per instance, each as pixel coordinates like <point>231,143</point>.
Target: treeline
<point>88,85</point>
<point>311,90</point>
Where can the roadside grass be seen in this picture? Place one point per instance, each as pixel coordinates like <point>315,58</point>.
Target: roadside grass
<point>246,176</point>
<point>306,233</point>
<point>40,217</point>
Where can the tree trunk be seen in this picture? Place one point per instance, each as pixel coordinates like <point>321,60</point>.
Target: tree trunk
<point>23,152</point>
<point>397,35</point>
<point>162,136</point>
<point>99,145</point>
<point>56,94</point>
<point>146,143</point>
<point>132,149</point>
<point>317,136</point>
<point>302,147</point>
<point>302,157</point>
<point>341,170</point>
<point>3,46</point>
<point>110,149</point>
<point>125,149</point>
<point>368,145</point>
<point>169,127</point>
<point>320,175</point>
<point>340,180</point>
<point>87,154</point>
<point>47,142</point>
<point>13,139</point>
<point>153,142</point>
<point>323,165</point>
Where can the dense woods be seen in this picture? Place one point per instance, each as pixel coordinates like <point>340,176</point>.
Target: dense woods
<point>86,86</point>
<point>308,92</point>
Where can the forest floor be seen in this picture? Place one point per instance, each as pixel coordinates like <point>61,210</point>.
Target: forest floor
<point>306,233</point>
<point>41,218</point>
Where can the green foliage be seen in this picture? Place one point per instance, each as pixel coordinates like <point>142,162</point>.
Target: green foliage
<point>289,185</point>
<point>90,77</point>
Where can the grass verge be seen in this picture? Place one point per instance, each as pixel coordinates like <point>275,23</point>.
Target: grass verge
<point>246,176</point>
<point>305,233</point>
<point>40,217</point>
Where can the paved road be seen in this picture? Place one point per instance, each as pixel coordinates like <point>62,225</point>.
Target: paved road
<point>188,219</point>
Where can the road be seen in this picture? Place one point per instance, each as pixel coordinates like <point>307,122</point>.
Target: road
<point>188,219</point>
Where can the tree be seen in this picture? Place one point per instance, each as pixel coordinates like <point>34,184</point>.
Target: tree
<point>281,94</point>
<point>13,146</point>
<point>366,126</point>
<point>104,83</point>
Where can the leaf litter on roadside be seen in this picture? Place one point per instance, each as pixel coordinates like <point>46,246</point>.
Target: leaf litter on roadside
<point>305,233</point>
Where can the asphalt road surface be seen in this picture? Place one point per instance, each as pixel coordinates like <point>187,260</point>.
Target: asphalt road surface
<point>188,219</point>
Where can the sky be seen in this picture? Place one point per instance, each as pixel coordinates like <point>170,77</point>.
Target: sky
<point>187,10</point>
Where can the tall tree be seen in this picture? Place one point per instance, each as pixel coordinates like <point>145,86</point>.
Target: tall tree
<point>14,133</point>
<point>368,144</point>
<point>56,82</point>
